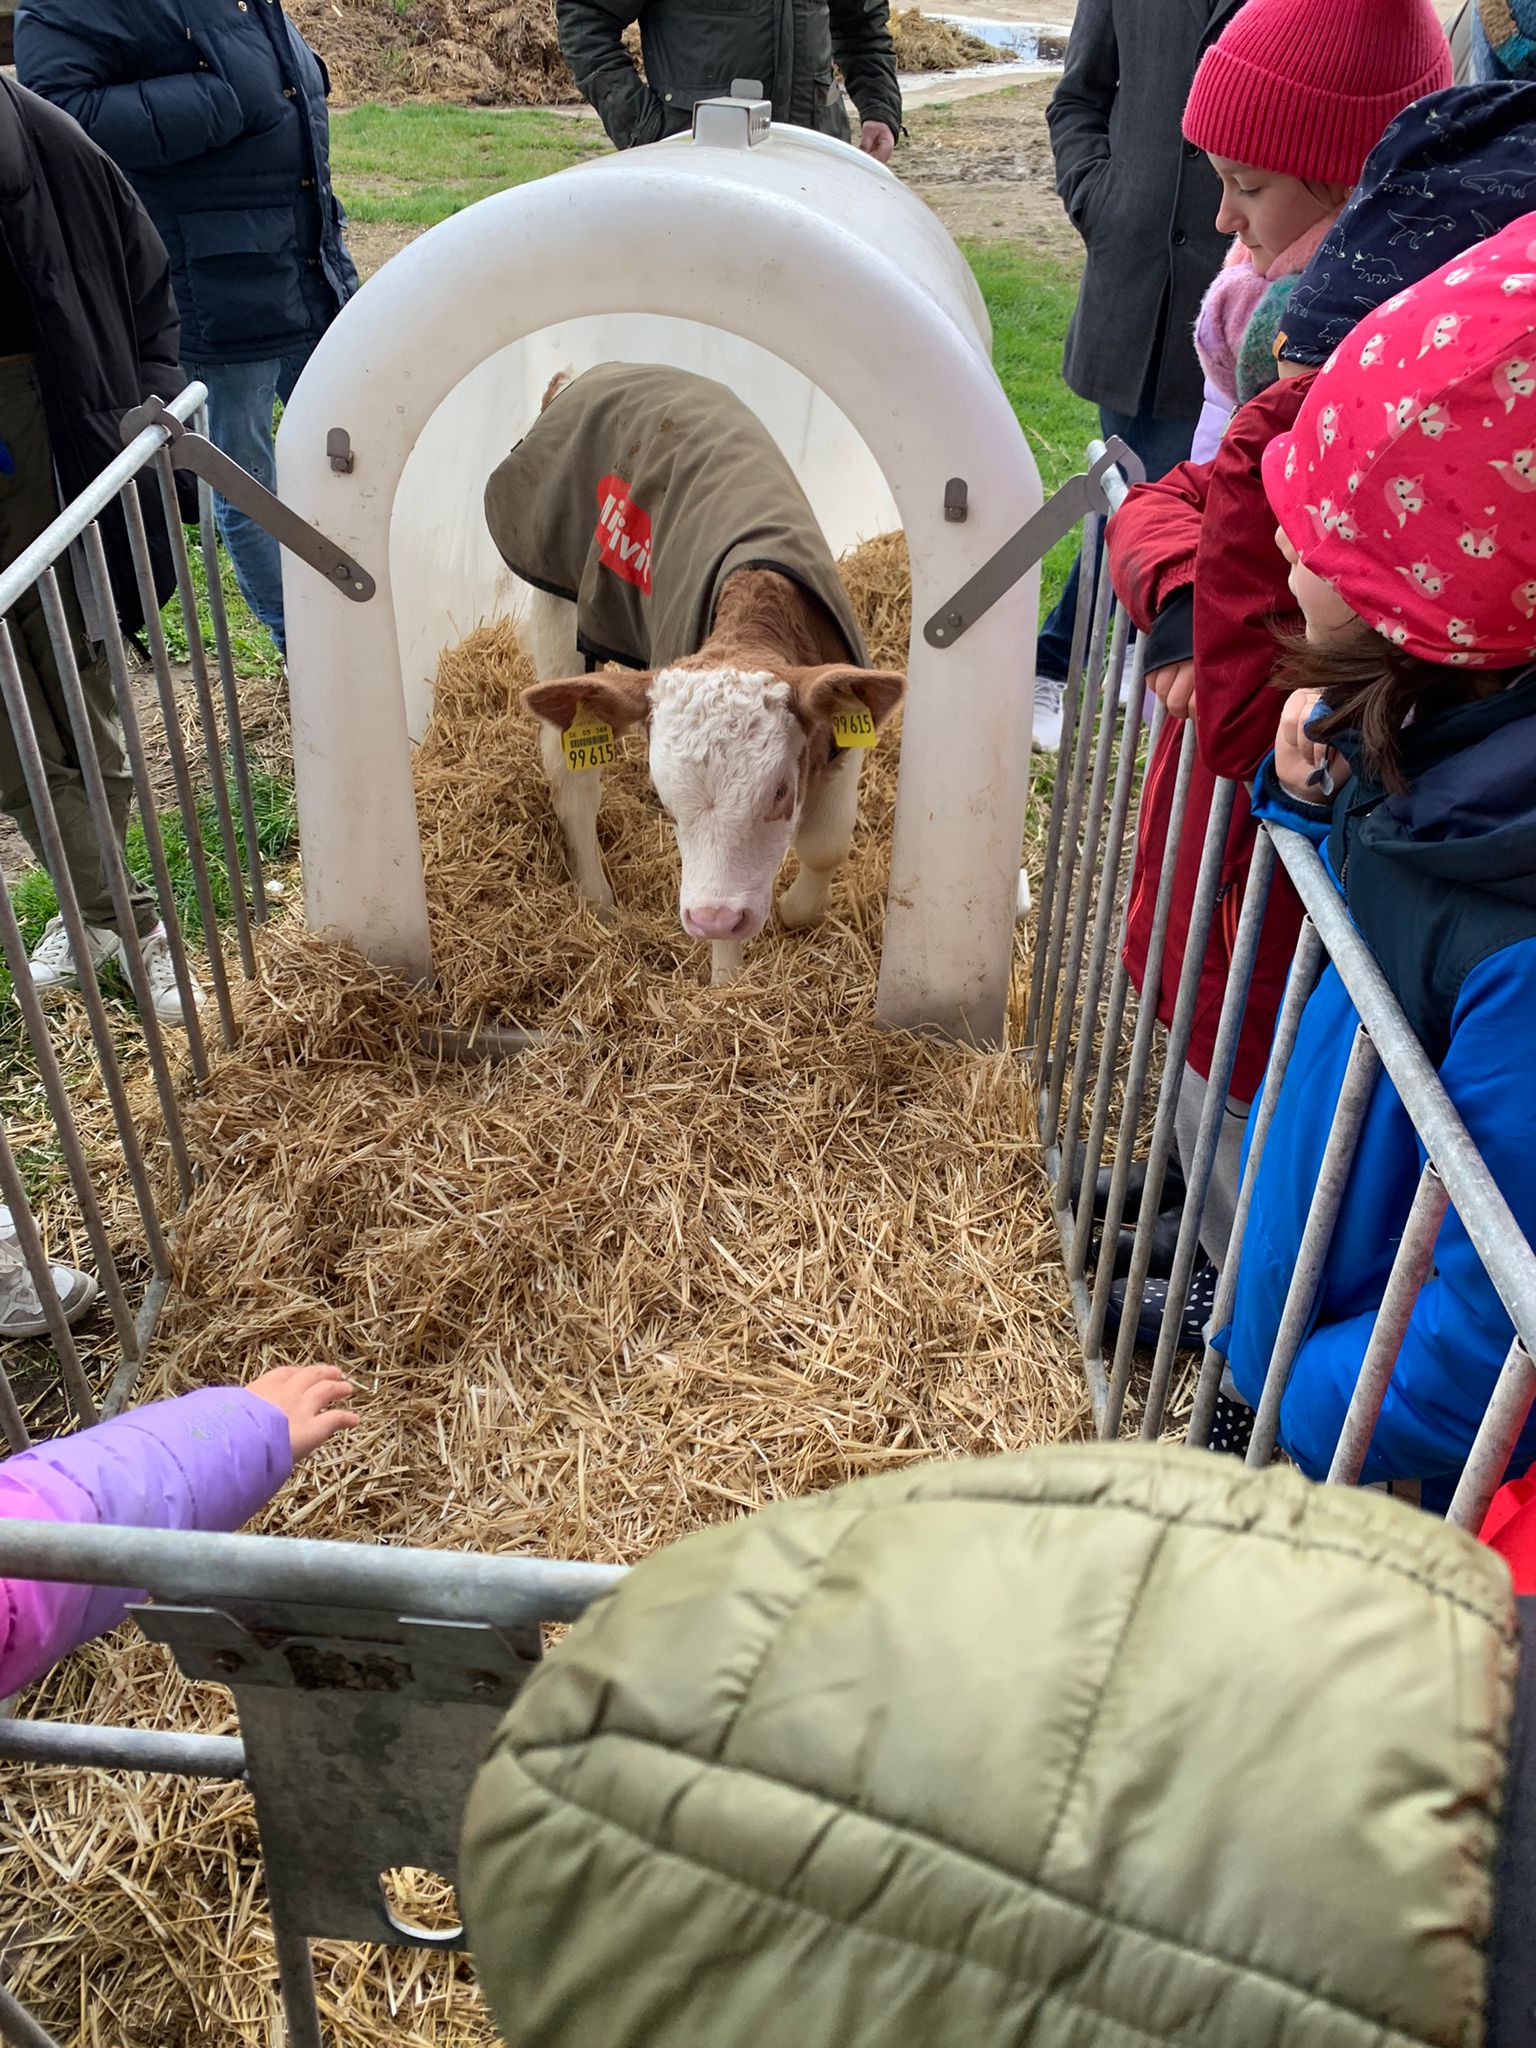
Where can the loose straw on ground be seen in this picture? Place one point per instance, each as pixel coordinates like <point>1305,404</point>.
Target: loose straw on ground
<point>698,1250</point>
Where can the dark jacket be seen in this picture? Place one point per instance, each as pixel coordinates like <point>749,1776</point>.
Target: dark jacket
<point>1098,1746</point>
<point>1441,883</point>
<point>216,111</point>
<point>696,49</point>
<point>688,487</point>
<point>95,274</point>
<point>1143,200</point>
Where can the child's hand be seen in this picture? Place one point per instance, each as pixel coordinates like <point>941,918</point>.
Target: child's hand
<point>307,1394</point>
<point>1298,759</point>
<point>1175,685</point>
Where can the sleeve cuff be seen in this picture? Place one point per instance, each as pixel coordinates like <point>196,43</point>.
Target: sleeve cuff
<point>1171,636</point>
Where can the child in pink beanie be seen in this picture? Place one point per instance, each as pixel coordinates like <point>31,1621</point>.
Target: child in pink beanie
<point>1288,103</point>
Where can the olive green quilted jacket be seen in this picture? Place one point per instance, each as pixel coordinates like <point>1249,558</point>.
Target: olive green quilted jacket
<point>1092,1747</point>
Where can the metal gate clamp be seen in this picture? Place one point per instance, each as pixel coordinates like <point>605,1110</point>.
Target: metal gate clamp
<point>239,488</point>
<point>1079,495</point>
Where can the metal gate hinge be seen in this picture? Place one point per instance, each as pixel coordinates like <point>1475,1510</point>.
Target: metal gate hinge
<point>1078,496</point>
<point>956,501</point>
<point>338,449</point>
<point>193,452</point>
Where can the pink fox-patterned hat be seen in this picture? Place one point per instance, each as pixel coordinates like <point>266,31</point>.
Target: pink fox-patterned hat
<point>1409,478</point>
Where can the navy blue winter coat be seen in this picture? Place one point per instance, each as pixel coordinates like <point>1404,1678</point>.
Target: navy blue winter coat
<point>215,109</point>
<point>1441,883</point>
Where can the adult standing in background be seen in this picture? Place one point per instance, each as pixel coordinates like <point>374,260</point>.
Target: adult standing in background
<point>1145,203</point>
<point>696,49</point>
<point>215,109</point>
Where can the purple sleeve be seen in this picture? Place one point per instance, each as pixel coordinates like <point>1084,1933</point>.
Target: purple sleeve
<point>1212,424</point>
<point>207,1460</point>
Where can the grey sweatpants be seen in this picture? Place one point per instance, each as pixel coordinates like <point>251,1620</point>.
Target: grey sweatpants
<point>1226,1170</point>
<point>28,503</point>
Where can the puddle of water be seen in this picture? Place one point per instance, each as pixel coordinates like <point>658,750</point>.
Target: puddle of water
<point>1030,43</point>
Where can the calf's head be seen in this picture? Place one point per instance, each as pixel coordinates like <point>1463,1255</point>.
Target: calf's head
<point>732,752</point>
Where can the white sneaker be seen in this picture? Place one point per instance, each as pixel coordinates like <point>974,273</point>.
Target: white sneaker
<point>21,1309</point>
<point>1047,721</point>
<point>155,951</point>
<point>53,964</point>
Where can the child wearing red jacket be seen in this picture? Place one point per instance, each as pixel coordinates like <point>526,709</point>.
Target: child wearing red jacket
<point>1195,565</point>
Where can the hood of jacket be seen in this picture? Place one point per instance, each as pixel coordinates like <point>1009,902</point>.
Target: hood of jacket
<point>1453,169</point>
<point>1093,1744</point>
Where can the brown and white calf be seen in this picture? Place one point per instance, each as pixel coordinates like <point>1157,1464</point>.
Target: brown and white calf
<point>742,753</point>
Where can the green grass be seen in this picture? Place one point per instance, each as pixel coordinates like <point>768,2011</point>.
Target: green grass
<point>417,165</point>
<point>1030,300</point>
<point>277,832</point>
<point>254,650</point>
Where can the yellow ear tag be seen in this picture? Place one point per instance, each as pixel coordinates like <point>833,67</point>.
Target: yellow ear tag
<point>587,743</point>
<point>852,725</point>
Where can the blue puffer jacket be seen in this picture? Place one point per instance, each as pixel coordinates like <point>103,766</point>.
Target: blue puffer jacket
<point>215,109</point>
<point>1441,882</point>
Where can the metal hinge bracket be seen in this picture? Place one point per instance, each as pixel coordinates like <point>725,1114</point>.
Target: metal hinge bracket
<point>1078,496</point>
<point>193,452</point>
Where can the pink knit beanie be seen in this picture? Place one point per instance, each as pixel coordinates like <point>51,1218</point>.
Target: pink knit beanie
<point>1306,88</point>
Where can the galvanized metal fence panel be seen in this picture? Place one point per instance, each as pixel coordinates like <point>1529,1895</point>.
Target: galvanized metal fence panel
<point>73,545</point>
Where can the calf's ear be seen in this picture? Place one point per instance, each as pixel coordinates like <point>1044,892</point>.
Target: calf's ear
<point>819,690</point>
<point>621,699</point>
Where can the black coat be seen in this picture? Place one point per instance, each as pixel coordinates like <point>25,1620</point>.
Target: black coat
<point>697,49</point>
<point>96,274</point>
<point>1142,198</point>
<point>216,111</point>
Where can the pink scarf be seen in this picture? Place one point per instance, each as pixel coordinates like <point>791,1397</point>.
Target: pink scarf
<point>1233,298</point>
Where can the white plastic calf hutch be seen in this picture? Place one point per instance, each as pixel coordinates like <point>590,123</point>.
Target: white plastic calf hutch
<point>811,281</point>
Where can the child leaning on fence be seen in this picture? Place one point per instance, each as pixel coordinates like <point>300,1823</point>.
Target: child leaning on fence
<point>206,1460</point>
<point>1194,554</point>
<point>1404,496</point>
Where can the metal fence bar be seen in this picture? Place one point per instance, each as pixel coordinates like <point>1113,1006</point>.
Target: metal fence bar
<point>1317,1234</point>
<point>1208,880</point>
<point>1306,964</point>
<point>1109,1049</point>
<point>165,690</point>
<point>122,1749</point>
<point>1141,1056</point>
<point>19,576</point>
<point>1508,1260</point>
<point>198,1569</point>
<point>208,537</point>
<point>149,818</point>
<point>18,2027</point>
<point>1103,925</point>
<point>197,657</point>
<point>1054,874</point>
<point>29,1003</point>
<point>1075,773</point>
<point>296,1984</point>
<point>1088,870</point>
<point>1245,951</point>
<point>1492,1447</point>
<point>111,853</point>
<point>36,774</point>
<point>39,1266</point>
<point>1410,1269</point>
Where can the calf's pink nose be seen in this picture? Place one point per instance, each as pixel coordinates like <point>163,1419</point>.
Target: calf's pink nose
<point>717,920</point>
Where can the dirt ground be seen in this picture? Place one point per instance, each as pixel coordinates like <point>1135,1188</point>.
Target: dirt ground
<point>982,162</point>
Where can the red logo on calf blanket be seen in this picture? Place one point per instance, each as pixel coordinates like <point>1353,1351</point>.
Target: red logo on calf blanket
<point>624,533</point>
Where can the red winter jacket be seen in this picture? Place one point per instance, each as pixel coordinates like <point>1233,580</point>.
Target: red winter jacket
<point>1208,526</point>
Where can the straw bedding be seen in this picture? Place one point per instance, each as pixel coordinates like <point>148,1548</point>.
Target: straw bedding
<point>699,1250</point>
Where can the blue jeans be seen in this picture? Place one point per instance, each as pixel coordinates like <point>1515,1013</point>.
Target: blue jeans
<point>1161,444</point>
<point>241,398</point>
